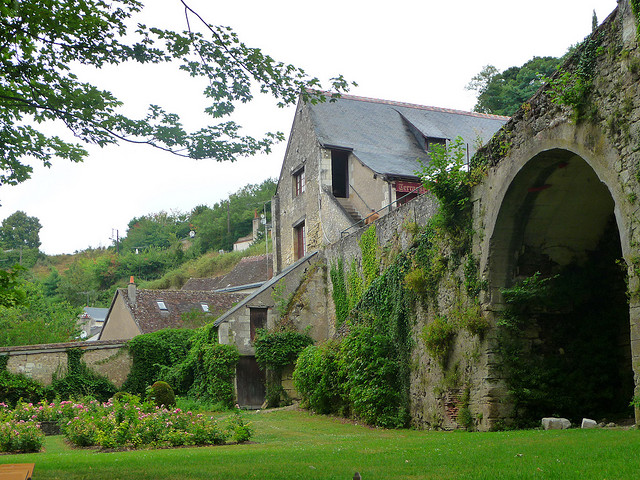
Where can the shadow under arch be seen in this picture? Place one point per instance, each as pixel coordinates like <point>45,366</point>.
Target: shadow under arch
<point>557,220</point>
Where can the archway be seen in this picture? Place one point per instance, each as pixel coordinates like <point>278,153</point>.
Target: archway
<point>564,335</point>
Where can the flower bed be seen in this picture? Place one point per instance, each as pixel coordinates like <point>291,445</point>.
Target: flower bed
<point>124,423</point>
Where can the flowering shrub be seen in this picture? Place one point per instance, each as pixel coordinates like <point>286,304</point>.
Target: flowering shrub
<point>20,436</point>
<point>125,422</point>
<point>132,424</point>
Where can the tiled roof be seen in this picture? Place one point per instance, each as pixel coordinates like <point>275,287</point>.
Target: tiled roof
<point>248,271</point>
<point>150,318</point>
<point>386,135</point>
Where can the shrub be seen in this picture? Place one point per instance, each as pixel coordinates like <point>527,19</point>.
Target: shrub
<point>369,363</point>
<point>239,429</point>
<point>162,394</point>
<point>437,337</point>
<point>14,387</point>
<point>133,425</point>
<point>208,370</point>
<point>150,351</point>
<point>317,380</point>
<point>20,436</point>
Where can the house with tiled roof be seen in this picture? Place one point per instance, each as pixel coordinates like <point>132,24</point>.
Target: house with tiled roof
<point>135,311</point>
<point>354,156</point>
<point>248,275</point>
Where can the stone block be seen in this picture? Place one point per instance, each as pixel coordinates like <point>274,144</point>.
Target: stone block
<point>588,423</point>
<point>552,423</point>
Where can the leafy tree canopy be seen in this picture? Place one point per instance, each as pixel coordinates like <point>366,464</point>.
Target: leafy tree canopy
<point>20,230</point>
<point>43,42</point>
<point>502,93</point>
<point>34,319</point>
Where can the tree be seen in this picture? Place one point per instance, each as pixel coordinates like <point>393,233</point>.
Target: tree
<point>35,320</point>
<point>42,43</point>
<point>502,93</point>
<point>220,226</point>
<point>19,230</point>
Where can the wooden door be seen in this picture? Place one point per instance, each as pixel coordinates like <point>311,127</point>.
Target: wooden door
<point>250,382</point>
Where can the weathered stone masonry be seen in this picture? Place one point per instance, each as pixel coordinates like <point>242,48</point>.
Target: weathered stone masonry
<point>40,362</point>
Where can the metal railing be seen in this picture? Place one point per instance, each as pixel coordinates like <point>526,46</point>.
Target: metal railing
<point>362,222</point>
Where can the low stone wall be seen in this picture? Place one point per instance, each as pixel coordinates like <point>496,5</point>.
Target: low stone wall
<point>109,358</point>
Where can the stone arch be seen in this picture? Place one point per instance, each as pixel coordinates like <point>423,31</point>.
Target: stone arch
<point>549,205</point>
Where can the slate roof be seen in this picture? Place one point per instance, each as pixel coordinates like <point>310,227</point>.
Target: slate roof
<point>149,318</point>
<point>97,313</point>
<point>386,135</point>
<point>249,270</point>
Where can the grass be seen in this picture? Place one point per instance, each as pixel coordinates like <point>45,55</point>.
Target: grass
<point>297,445</point>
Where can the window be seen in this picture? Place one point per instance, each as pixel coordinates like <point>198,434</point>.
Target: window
<point>299,241</point>
<point>298,182</point>
<point>161,305</point>
<point>257,320</point>
<point>430,141</point>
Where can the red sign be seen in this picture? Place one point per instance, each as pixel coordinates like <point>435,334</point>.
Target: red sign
<point>406,187</point>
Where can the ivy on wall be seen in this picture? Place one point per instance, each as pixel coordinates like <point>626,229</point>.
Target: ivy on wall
<point>339,292</point>
<point>79,380</point>
<point>150,352</point>
<point>366,373</point>
<point>369,247</point>
<point>206,370</point>
<point>276,350</point>
<point>572,87</point>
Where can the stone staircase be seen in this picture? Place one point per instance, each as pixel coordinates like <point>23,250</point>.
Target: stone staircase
<point>351,211</point>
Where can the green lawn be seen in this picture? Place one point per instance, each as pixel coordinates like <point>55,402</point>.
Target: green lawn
<point>297,445</point>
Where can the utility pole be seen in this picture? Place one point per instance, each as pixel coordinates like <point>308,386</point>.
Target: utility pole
<point>229,222</point>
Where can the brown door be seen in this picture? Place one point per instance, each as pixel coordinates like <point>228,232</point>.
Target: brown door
<point>250,382</point>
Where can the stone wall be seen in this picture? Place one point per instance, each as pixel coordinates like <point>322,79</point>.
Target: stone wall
<point>41,362</point>
<point>558,172</point>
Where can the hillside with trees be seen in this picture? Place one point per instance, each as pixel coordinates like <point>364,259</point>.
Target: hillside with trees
<point>160,250</point>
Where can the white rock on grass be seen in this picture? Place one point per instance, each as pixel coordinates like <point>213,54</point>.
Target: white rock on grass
<point>588,423</point>
<point>552,423</point>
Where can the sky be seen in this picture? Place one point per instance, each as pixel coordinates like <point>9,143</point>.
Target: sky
<point>422,52</point>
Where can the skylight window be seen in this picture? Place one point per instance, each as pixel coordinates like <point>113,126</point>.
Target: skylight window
<point>161,305</point>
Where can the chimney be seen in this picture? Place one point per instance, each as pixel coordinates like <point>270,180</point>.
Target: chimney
<point>131,291</point>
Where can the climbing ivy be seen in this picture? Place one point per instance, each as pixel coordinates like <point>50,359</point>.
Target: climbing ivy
<point>339,293</point>
<point>354,285</point>
<point>635,8</point>
<point>274,351</point>
<point>151,351</point>
<point>79,380</point>
<point>369,247</point>
<point>4,361</point>
<point>207,369</point>
<point>366,373</point>
<point>573,87</point>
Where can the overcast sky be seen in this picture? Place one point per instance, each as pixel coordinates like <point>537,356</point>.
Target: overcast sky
<point>421,52</point>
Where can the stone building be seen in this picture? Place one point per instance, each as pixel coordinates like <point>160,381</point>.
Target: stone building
<point>354,156</point>
<point>260,309</point>
<point>135,311</point>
